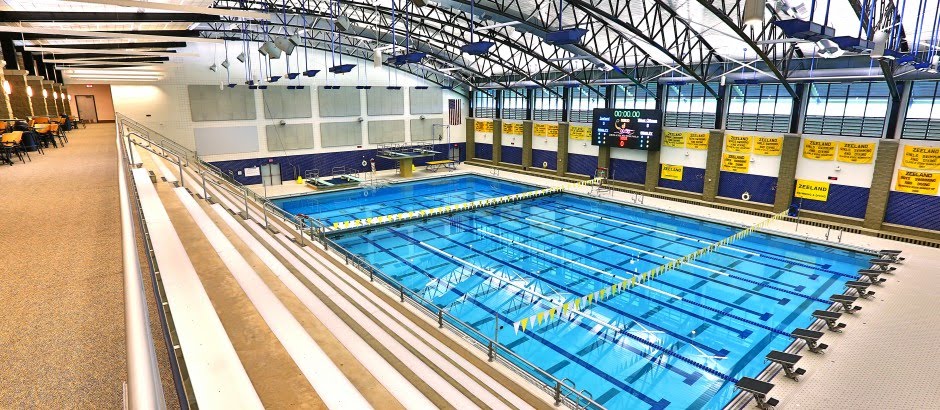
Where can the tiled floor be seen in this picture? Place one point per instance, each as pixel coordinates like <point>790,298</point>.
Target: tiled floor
<point>888,356</point>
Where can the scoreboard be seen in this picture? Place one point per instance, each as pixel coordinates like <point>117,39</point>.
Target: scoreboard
<point>635,129</point>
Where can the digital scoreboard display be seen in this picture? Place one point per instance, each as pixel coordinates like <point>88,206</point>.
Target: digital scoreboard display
<point>635,129</point>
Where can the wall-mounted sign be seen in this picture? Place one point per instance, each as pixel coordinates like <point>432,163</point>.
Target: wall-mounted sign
<point>512,128</point>
<point>627,128</point>
<point>483,126</point>
<point>738,143</point>
<point>579,132</point>
<point>770,146</point>
<point>674,139</point>
<point>673,172</point>
<point>856,153</point>
<point>819,150</point>
<point>814,190</point>
<point>921,157</point>
<point>696,140</point>
<point>735,162</point>
<point>917,182</point>
<point>253,172</point>
<point>545,130</point>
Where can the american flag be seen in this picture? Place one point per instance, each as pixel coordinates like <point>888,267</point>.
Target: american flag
<point>455,114</point>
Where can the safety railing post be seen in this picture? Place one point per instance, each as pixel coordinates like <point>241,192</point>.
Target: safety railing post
<point>401,290</point>
<point>205,193</point>
<point>264,212</point>
<point>179,162</point>
<point>246,215</point>
<point>440,318</point>
<point>557,393</point>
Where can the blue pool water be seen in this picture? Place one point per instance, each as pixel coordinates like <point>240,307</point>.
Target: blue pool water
<point>678,344</point>
<point>360,203</point>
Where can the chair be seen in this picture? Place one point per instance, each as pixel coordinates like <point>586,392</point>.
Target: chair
<point>42,120</point>
<point>56,131</point>
<point>11,144</point>
<point>46,136</point>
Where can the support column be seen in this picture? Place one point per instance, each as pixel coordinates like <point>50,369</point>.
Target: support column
<point>19,101</point>
<point>497,141</point>
<point>471,134</point>
<point>786,177</point>
<point>652,170</point>
<point>527,144</point>
<point>39,106</point>
<point>881,183</point>
<point>66,102</point>
<point>6,111</point>
<point>716,140</point>
<point>562,148</point>
<point>62,107</point>
<point>52,109</point>
<point>603,158</point>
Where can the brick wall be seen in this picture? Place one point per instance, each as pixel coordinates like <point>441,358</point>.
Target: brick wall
<point>19,101</point>
<point>39,106</point>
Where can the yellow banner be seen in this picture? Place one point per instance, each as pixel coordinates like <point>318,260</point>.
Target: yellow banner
<point>815,190</point>
<point>483,126</point>
<point>673,172</point>
<point>916,182</point>
<point>856,153</point>
<point>735,162</point>
<point>696,140</point>
<point>771,146</point>
<point>674,139</point>
<point>819,150</point>
<point>512,128</point>
<point>580,133</point>
<point>921,157</point>
<point>738,143</point>
<point>545,130</point>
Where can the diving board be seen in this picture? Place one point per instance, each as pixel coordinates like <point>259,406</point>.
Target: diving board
<point>405,154</point>
<point>433,166</point>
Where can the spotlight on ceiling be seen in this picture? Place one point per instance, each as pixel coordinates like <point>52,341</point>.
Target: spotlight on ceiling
<point>270,50</point>
<point>828,49</point>
<point>241,57</point>
<point>287,44</point>
<point>213,67</point>
<point>225,64</point>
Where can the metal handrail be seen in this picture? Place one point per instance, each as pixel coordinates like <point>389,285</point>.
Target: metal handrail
<point>144,387</point>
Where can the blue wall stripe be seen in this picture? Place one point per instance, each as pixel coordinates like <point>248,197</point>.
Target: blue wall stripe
<point>539,156</point>
<point>762,188</point>
<point>843,200</point>
<point>693,180</point>
<point>582,164</point>
<point>483,151</point>
<point>511,154</point>
<point>628,170</point>
<point>919,211</point>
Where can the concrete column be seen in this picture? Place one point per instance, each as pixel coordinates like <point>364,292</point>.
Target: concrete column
<point>881,183</point>
<point>59,102</point>
<point>471,135</point>
<point>497,141</point>
<point>66,103</point>
<point>786,178</point>
<point>562,148</point>
<point>19,101</point>
<point>6,111</point>
<point>603,158</point>
<point>39,106</point>
<point>527,144</point>
<point>716,140</point>
<point>652,170</point>
<point>51,108</point>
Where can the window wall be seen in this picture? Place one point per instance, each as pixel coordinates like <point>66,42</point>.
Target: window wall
<point>759,107</point>
<point>690,106</point>
<point>583,101</point>
<point>515,103</point>
<point>923,112</point>
<point>484,103</point>
<point>851,109</point>
<point>635,97</point>
<point>546,105</point>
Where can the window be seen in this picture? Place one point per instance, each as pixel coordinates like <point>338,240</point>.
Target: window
<point>583,102</point>
<point>759,107</point>
<point>634,96</point>
<point>849,109</point>
<point>923,112</point>
<point>515,103</point>
<point>690,106</point>
<point>547,106</point>
<point>484,103</point>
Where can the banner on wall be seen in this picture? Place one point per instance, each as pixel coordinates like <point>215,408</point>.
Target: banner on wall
<point>771,146</point>
<point>512,128</point>
<point>740,163</point>
<point>917,182</point>
<point>814,190</point>
<point>674,139</point>
<point>673,172</point>
<point>545,130</point>
<point>856,153</point>
<point>921,157</point>
<point>738,143</point>
<point>819,150</point>
<point>696,140</point>
<point>483,126</point>
<point>579,132</point>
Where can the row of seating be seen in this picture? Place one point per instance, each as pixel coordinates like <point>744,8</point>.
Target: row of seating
<point>22,137</point>
<point>759,389</point>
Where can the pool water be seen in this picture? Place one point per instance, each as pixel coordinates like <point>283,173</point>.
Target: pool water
<point>361,203</point>
<point>681,343</point>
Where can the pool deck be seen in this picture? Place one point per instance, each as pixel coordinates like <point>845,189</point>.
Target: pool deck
<point>887,356</point>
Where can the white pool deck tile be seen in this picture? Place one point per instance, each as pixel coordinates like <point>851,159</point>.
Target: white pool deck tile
<point>888,357</point>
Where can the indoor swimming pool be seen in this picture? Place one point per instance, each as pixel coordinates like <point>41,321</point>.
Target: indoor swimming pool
<point>681,342</point>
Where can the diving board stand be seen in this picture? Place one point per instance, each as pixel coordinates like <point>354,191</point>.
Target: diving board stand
<point>405,154</point>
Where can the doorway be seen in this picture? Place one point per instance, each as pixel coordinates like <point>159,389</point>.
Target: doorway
<point>86,108</point>
<point>271,174</point>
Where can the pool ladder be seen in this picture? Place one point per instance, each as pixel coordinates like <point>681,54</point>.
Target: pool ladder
<point>838,238</point>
